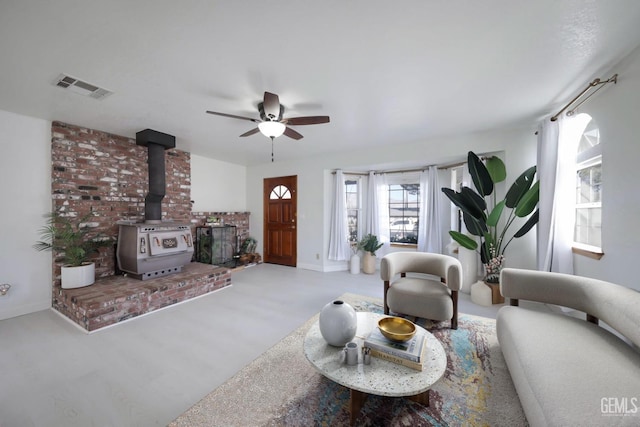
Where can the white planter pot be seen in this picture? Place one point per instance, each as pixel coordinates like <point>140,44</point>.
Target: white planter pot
<point>354,264</point>
<point>338,323</point>
<point>369,263</point>
<point>469,261</point>
<point>77,277</point>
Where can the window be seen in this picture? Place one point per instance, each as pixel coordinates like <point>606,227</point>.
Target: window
<point>404,206</point>
<point>352,191</point>
<point>280,192</point>
<point>588,210</point>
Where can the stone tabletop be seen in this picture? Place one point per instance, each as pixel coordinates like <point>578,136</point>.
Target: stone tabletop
<point>381,377</point>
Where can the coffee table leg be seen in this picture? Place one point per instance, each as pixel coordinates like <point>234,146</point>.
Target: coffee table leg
<point>357,400</point>
<point>422,398</point>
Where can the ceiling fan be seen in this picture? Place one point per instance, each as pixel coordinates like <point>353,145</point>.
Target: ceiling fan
<point>272,124</point>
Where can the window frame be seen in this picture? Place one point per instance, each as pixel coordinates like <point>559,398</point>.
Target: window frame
<point>403,180</point>
<point>587,158</point>
<point>357,180</point>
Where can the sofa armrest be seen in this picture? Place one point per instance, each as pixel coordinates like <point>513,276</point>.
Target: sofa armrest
<point>614,304</point>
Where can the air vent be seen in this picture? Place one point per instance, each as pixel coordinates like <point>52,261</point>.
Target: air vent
<point>81,87</point>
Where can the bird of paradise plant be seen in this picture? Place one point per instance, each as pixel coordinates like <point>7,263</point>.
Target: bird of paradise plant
<point>483,219</point>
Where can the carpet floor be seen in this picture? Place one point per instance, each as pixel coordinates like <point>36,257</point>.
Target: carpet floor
<point>282,388</point>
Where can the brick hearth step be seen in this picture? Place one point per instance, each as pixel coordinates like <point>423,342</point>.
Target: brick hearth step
<point>114,299</point>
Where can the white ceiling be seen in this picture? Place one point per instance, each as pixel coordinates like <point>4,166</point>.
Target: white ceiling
<point>386,72</point>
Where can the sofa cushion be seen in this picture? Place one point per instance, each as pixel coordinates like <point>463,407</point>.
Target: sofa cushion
<point>563,368</point>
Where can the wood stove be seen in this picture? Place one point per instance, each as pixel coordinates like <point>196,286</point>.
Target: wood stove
<point>154,248</point>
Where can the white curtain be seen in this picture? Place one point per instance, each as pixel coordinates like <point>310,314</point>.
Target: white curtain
<point>557,145</point>
<point>547,162</point>
<point>339,249</point>
<point>371,210</point>
<point>429,236</point>
<point>377,211</point>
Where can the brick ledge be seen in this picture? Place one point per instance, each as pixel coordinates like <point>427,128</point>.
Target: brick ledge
<point>114,299</point>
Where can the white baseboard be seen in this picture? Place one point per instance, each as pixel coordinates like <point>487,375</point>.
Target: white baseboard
<point>325,269</point>
<point>332,268</point>
<point>21,310</point>
<point>312,267</point>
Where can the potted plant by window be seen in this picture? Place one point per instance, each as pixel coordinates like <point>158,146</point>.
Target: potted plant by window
<point>369,244</point>
<point>68,236</point>
<point>482,214</point>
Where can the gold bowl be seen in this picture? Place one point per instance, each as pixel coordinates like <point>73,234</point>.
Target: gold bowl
<point>397,328</point>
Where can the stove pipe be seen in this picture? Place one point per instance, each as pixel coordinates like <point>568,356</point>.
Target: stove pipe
<point>156,142</point>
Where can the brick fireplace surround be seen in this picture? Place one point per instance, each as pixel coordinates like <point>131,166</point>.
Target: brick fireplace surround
<point>107,175</point>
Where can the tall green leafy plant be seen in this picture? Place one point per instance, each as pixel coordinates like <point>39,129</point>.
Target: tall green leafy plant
<point>62,234</point>
<point>483,214</point>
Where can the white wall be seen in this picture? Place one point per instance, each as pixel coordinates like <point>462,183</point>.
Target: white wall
<point>25,191</point>
<point>616,109</point>
<point>315,183</point>
<point>25,173</point>
<point>217,186</point>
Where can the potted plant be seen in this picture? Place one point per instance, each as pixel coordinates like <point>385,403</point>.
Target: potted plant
<point>369,244</point>
<point>484,219</point>
<point>69,237</point>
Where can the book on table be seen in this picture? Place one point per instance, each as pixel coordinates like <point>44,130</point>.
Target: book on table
<point>409,353</point>
<point>418,366</point>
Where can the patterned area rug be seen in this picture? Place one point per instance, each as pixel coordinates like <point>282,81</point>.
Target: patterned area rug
<point>282,388</point>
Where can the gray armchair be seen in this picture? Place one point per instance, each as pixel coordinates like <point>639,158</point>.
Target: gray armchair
<point>427,285</point>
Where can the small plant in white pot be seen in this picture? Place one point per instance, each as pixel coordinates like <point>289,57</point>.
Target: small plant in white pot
<point>369,244</point>
<point>69,237</point>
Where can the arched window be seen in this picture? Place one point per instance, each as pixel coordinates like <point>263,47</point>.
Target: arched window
<point>588,220</point>
<point>280,192</point>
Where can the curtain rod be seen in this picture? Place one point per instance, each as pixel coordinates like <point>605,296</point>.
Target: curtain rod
<point>596,82</point>
<point>445,166</point>
<point>381,172</point>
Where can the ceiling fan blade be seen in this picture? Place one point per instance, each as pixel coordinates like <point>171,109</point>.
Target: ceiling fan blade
<point>251,132</point>
<point>292,134</point>
<point>234,116</point>
<point>311,120</point>
<point>271,106</point>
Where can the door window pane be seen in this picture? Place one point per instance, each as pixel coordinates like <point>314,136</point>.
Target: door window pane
<point>280,192</point>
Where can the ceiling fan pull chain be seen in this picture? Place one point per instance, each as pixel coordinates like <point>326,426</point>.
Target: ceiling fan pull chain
<point>271,149</point>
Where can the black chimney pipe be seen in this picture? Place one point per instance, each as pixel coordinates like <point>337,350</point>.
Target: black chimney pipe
<point>156,142</point>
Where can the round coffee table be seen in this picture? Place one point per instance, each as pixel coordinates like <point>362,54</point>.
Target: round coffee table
<point>381,377</point>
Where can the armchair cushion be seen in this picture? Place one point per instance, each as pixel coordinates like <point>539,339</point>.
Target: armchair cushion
<point>420,297</point>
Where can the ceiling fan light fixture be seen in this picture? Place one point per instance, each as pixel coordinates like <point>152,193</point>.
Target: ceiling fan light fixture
<point>271,129</point>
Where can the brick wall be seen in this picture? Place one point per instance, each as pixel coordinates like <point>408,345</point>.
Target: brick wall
<point>106,174</point>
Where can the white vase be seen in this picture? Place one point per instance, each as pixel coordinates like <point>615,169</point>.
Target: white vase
<point>469,261</point>
<point>354,264</point>
<point>338,323</point>
<point>77,277</point>
<point>369,263</point>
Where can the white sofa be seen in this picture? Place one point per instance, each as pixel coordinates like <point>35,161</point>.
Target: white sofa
<point>569,371</point>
